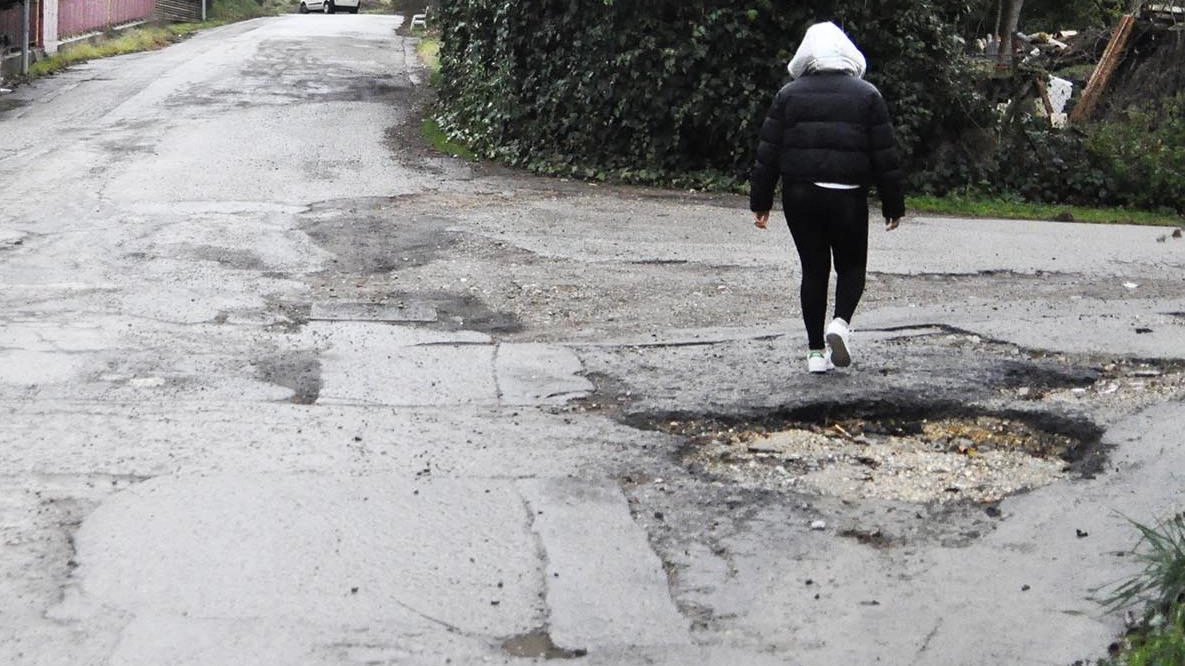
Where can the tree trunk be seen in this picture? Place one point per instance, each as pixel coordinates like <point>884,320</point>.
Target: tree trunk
<point>1011,23</point>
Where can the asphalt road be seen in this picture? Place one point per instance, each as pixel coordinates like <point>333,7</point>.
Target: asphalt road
<point>279,386</point>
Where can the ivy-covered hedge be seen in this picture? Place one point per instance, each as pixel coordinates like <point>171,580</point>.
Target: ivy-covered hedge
<point>675,90</point>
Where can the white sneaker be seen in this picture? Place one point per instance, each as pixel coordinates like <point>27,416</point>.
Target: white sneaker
<point>818,362</point>
<point>837,338</point>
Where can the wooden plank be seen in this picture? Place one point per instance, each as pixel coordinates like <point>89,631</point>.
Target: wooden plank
<point>179,10</point>
<point>1101,77</point>
<point>1043,92</point>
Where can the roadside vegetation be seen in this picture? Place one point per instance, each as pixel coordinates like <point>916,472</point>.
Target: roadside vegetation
<point>127,41</point>
<point>968,205</point>
<point>1158,637</point>
<point>150,37</point>
<point>377,7</point>
<point>429,51</point>
<point>656,93</point>
<point>987,207</point>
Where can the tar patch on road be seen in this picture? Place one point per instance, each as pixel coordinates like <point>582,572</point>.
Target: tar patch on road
<point>232,258</point>
<point>299,371</point>
<point>373,236</point>
<point>469,313</point>
<point>380,237</point>
<point>538,645</point>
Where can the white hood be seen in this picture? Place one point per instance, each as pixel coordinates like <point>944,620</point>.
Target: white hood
<point>825,48</point>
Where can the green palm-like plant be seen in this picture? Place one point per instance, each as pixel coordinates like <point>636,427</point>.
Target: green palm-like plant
<point>1161,582</point>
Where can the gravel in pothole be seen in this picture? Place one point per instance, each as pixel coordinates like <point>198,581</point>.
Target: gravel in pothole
<point>981,459</point>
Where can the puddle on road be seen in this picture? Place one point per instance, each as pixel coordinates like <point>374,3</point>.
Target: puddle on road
<point>957,457</point>
<point>538,645</point>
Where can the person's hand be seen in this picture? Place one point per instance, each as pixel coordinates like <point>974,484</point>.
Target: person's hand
<point>761,219</point>
<point>892,223</point>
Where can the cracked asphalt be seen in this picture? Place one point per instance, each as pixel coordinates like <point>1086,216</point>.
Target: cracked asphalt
<point>279,386</point>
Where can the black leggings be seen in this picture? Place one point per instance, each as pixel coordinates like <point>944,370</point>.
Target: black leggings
<point>826,223</point>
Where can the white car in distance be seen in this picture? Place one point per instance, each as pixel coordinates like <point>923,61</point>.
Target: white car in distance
<point>329,6</point>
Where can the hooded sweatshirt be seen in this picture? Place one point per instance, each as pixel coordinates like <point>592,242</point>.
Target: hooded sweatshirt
<point>828,126</point>
<point>825,48</point>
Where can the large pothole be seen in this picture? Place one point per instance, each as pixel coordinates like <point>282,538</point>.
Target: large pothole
<point>914,454</point>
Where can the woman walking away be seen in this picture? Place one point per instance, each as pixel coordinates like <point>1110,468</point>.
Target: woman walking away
<point>828,137</point>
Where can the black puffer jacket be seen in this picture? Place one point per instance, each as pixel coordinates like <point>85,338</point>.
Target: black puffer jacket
<point>828,127</point>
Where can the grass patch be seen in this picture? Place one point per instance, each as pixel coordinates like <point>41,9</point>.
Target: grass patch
<point>1161,583</point>
<point>1160,639</point>
<point>429,50</point>
<point>1163,646</point>
<point>1001,208</point>
<point>442,143</point>
<point>130,41</point>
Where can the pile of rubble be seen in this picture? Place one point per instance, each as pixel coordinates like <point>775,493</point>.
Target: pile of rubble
<point>1137,42</point>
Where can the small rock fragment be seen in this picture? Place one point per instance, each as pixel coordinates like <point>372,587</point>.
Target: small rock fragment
<point>818,525</point>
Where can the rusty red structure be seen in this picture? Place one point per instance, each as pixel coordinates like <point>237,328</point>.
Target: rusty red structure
<point>54,22</point>
<point>77,17</point>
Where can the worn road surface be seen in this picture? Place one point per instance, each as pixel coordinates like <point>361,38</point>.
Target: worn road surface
<point>278,386</point>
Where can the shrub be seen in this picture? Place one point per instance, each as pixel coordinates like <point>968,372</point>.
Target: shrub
<point>671,90</point>
<point>674,91</point>
<point>1144,153</point>
<point>1160,640</point>
<point>1134,160</point>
